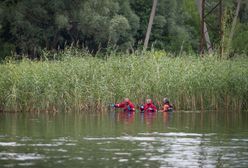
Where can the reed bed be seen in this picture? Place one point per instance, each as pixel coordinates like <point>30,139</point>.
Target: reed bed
<point>77,81</point>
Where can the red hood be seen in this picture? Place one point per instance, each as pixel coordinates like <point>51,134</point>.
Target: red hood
<point>128,102</point>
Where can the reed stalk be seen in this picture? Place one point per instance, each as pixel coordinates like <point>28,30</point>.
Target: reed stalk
<point>77,81</point>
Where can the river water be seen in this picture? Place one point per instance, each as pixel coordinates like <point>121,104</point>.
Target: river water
<point>120,139</point>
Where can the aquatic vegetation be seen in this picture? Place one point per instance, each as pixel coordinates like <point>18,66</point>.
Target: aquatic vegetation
<point>76,81</point>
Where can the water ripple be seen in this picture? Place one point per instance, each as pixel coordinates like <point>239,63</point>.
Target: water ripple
<point>10,144</point>
<point>20,156</point>
<point>177,149</point>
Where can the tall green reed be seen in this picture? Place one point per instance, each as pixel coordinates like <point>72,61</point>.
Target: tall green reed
<point>78,81</point>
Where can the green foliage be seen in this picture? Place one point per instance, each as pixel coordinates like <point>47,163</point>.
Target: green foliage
<point>240,40</point>
<point>170,29</point>
<point>142,8</point>
<point>61,21</point>
<point>118,26</point>
<point>29,26</point>
<point>33,25</point>
<point>244,12</point>
<point>6,49</point>
<point>82,81</point>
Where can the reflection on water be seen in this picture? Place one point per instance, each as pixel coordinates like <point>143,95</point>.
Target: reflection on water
<point>125,117</point>
<point>147,118</point>
<point>121,139</point>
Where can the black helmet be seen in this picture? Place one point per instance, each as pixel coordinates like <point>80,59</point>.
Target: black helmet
<point>166,100</point>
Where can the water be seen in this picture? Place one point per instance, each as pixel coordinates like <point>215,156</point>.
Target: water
<point>117,139</point>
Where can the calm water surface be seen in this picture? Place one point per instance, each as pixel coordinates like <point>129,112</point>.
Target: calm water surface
<point>118,139</point>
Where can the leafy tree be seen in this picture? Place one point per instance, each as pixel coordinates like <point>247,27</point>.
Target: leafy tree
<point>28,26</point>
<point>170,30</point>
<point>244,12</point>
<point>107,21</point>
<point>240,40</point>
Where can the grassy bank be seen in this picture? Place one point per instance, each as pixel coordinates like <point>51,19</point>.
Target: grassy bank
<point>84,82</point>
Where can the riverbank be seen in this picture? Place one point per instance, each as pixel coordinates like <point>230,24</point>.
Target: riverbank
<point>79,82</point>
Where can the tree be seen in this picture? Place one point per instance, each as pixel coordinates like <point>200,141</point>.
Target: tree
<point>205,30</point>
<point>149,28</point>
<point>238,44</point>
<point>32,25</point>
<point>29,26</point>
<point>234,24</point>
<point>177,33</point>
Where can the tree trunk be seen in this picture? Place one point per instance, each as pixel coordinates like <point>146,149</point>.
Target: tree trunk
<point>149,28</point>
<point>206,35</point>
<point>233,25</point>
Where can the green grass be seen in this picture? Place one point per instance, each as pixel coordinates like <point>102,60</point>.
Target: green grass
<point>79,81</point>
